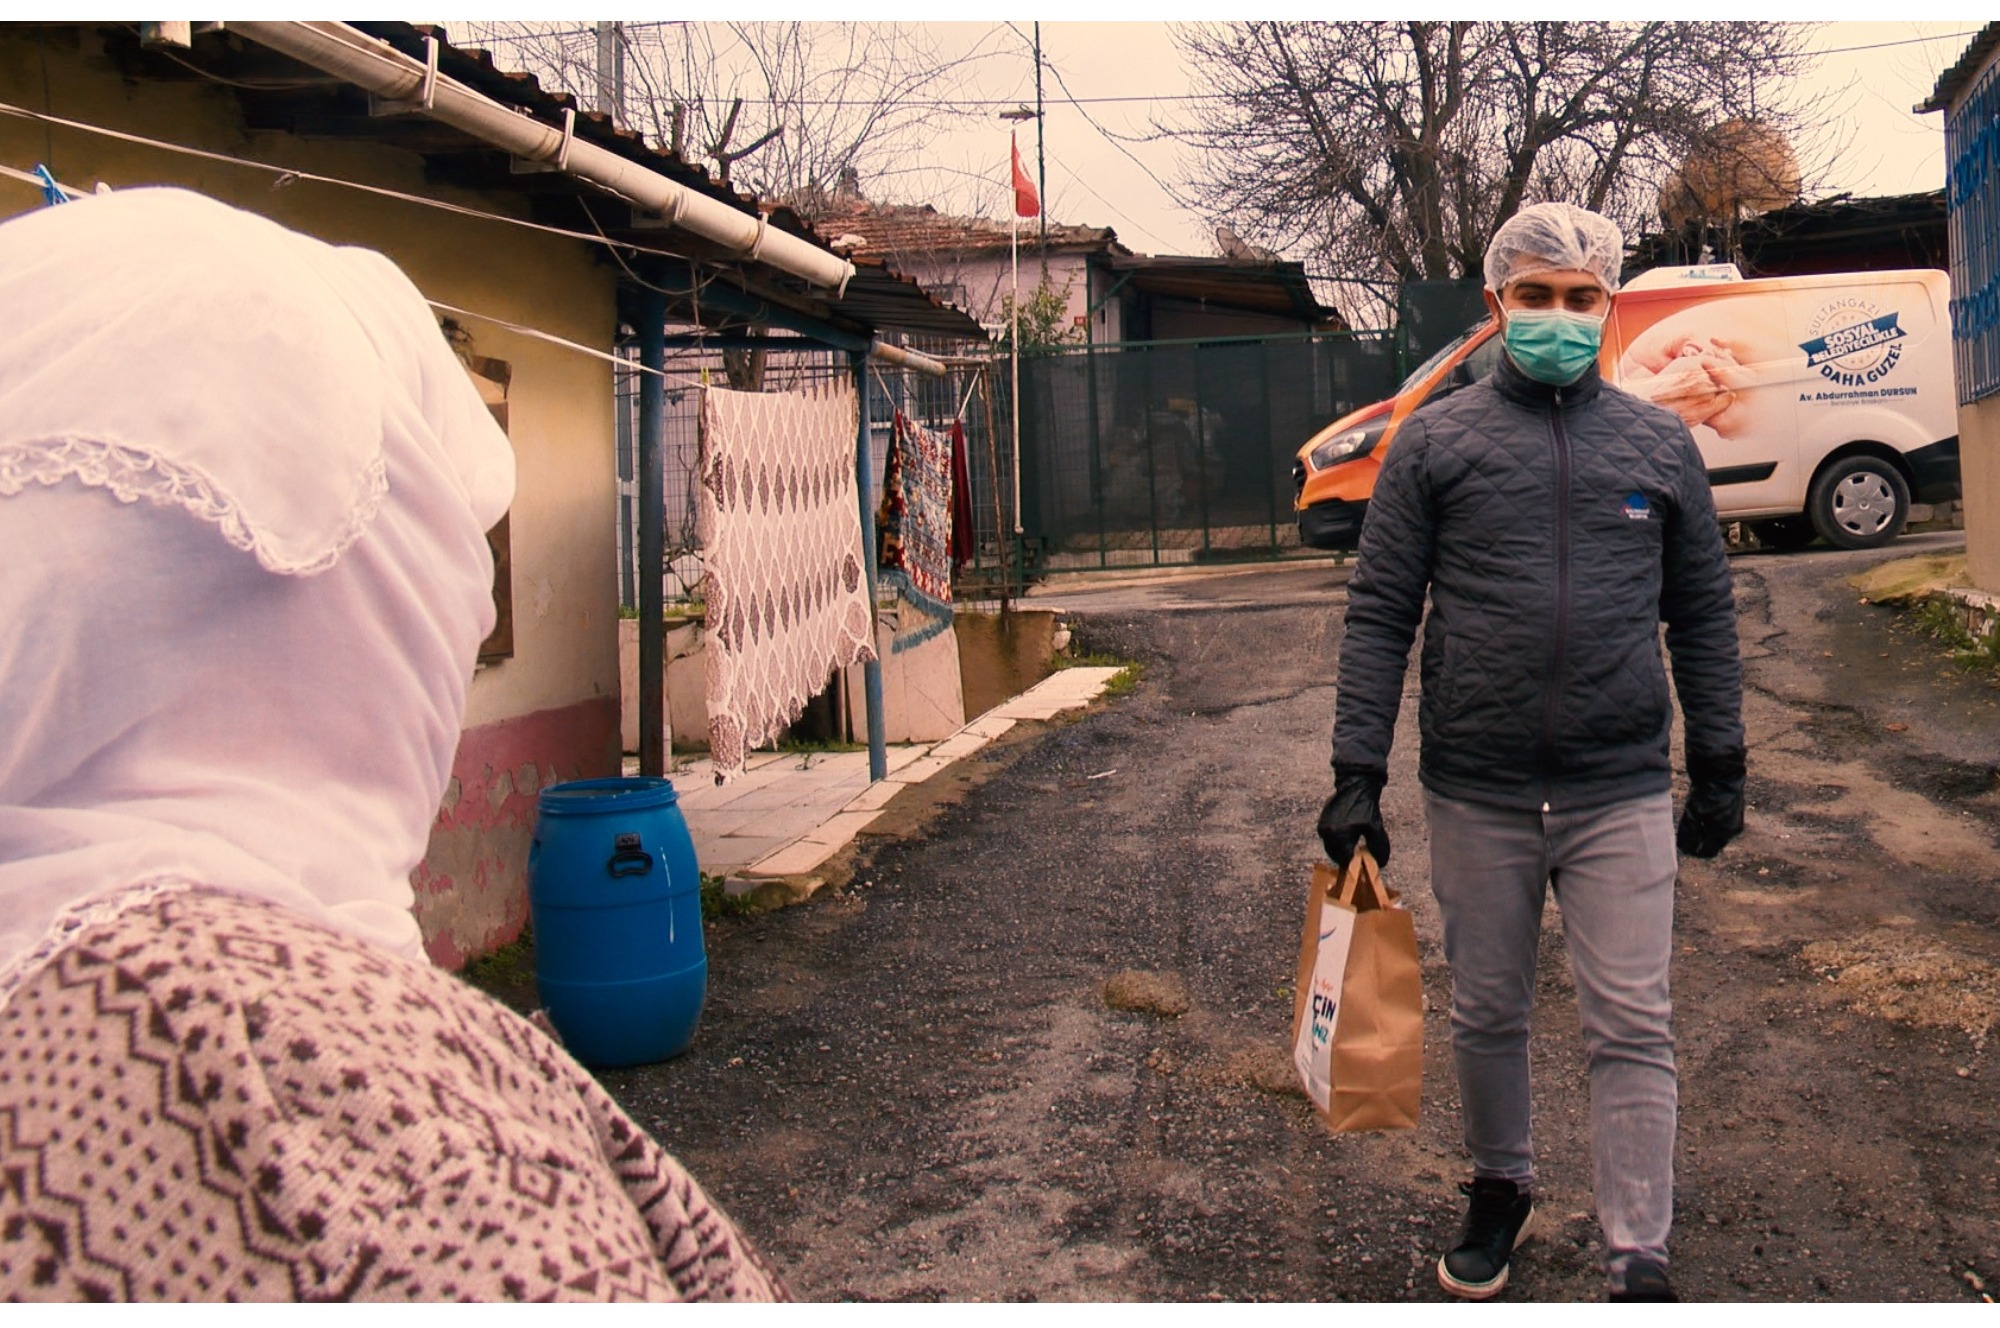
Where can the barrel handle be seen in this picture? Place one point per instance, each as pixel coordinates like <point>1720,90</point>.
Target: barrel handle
<point>630,859</point>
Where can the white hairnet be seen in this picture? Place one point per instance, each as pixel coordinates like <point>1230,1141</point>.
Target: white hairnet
<point>1555,237</point>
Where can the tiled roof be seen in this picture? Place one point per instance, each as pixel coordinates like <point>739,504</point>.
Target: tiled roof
<point>901,230</point>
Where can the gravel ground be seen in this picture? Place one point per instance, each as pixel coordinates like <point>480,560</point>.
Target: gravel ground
<point>917,1086</point>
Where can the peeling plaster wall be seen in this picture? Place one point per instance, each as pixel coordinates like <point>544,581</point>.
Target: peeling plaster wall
<point>472,887</point>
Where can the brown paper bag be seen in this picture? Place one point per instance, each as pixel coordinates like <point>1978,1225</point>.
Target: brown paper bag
<point>1358,1015</point>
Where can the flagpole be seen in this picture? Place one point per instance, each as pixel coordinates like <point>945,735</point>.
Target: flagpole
<point>1014,342</point>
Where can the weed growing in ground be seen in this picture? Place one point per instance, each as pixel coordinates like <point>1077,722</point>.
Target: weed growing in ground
<point>818,746</point>
<point>1121,683</point>
<point>717,902</point>
<point>510,963</point>
<point>1942,621</point>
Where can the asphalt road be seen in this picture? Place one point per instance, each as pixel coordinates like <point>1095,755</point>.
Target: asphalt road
<point>913,1087</point>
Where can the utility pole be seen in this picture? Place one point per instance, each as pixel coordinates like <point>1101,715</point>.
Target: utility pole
<point>611,71</point>
<point>1041,159</point>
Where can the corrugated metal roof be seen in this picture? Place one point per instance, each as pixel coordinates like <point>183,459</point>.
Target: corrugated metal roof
<point>1832,235</point>
<point>1953,80</point>
<point>1273,286</point>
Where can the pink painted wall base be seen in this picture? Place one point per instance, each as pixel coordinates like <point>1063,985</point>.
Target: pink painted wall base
<point>472,886</point>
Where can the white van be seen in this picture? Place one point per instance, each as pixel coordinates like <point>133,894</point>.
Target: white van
<point>1823,405</point>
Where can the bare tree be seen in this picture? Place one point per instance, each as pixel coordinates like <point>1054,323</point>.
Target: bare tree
<point>782,110</point>
<point>1392,151</point>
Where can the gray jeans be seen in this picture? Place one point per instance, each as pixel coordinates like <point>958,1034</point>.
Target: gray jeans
<point>1612,869</point>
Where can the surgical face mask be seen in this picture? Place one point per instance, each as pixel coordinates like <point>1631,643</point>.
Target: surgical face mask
<point>1553,346</point>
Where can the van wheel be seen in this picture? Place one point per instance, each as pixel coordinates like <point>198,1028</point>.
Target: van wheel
<point>1859,502</point>
<point>1784,532</point>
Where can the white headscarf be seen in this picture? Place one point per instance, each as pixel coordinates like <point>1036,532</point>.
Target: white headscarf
<point>254,679</point>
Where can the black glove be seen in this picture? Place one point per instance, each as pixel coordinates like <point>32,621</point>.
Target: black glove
<point>1354,813</point>
<point>1714,812</point>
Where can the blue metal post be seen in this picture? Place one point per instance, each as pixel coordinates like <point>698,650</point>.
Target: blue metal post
<point>864,482</point>
<point>652,534</point>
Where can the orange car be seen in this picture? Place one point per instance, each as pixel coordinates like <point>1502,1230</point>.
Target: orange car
<point>1335,471</point>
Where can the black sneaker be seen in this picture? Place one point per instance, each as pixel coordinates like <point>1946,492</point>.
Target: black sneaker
<point>1500,1218</point>
<point>1644,1280</point>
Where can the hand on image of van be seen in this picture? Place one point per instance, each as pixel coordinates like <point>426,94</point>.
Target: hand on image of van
<point>1689,364</point>
<point>1685,374</point>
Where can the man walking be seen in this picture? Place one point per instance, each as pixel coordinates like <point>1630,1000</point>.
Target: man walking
<point>1553,522</point>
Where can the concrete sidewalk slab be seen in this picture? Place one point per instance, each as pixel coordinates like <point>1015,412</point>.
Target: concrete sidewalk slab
<point>791,811</point>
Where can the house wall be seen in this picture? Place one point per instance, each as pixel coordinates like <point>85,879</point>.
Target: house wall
<point>1972,257</point>
<point>1979,470</point>
<point>986,279</point>
<point>551,711</point>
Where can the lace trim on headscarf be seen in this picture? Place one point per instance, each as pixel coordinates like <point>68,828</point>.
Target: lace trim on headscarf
<point>131,473</point>
<point>73,920</point>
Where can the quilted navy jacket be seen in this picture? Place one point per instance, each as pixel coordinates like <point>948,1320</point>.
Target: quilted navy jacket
<point>1554,530</point>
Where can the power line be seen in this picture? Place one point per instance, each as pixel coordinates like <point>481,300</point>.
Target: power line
<point>1904,41</point>
<point>1172,194</point>
<point>1153,98</point>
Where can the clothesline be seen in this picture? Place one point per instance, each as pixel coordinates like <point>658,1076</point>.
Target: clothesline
<point>30,178</point>
<point>288,175</point>
<point>957,416</point>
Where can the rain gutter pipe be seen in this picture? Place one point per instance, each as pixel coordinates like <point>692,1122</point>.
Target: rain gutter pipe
<point>348,53</point>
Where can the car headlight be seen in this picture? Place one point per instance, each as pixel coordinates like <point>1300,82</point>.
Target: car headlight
<point>1346,446</point>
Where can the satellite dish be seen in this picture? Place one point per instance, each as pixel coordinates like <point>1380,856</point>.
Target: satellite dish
<point>1231,245</point>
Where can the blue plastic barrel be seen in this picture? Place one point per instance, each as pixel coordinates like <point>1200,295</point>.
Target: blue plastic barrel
<point>615,895</point>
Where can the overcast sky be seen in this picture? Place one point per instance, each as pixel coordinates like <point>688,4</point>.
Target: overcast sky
<point>1094,179</point>
<point>1107,165</point>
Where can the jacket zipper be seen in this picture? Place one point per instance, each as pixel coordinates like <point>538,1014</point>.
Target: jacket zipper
<point>1559,442</point>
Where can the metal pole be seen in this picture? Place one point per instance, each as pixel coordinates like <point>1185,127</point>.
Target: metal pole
<point>864,481</point>
<point>1201,449</point>
<point>1014,345</point>
<point>1041,159</point>
<point>652,535</point>
<point>1152,462</point>
<point>611,71</point>
<point>1272,450</point>
<point>1098,486</point>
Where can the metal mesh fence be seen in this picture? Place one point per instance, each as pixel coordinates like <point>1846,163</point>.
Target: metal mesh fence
<point>1131,454</point>
<point>1430,315</point>
<point>1167,453</point>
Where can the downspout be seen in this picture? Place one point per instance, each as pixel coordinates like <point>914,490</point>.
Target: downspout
<point>353,55</point>
<point>871,672</point>
<point>901,357</point>
<point>652,536</point>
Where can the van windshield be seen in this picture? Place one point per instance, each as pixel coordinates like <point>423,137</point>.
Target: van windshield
<point>1428,367</point>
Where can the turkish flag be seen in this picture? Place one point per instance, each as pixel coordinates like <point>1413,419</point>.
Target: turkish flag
<point>1027,203</point>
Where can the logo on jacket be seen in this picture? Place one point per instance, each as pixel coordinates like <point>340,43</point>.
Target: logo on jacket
<point>1637,508</point>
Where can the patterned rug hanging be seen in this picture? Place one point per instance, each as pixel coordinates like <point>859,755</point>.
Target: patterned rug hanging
<point>913,528</point>
<point>780,527</point>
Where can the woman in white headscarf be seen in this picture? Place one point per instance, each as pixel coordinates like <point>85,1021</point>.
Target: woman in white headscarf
<point>244,486</point>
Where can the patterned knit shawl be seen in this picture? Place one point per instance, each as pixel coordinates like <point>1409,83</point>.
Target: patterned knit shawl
<point>780,526</point>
